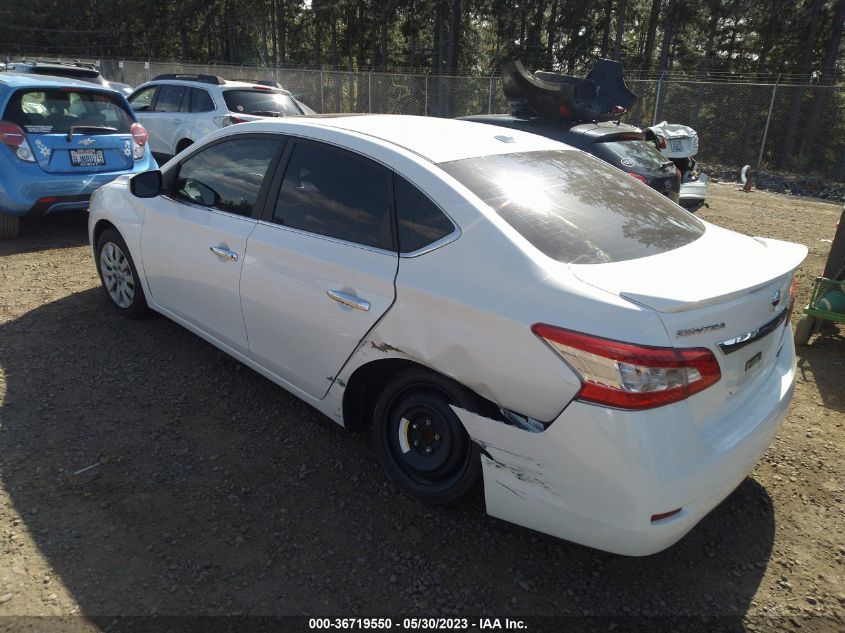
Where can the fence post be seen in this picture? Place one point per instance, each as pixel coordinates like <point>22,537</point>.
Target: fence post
<point>322,105</point>
<point>425,111</point>
<point>490,95</point>
<point>370,91</point>
<point>768,120</point>
<point>657,98</point>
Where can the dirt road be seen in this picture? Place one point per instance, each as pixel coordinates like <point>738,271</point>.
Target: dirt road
<point>144,472</point>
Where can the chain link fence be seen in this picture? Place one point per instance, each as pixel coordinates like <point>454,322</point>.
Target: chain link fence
<point>798,129</point>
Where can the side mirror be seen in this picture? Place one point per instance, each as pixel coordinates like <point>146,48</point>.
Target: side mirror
<point>147,184</point>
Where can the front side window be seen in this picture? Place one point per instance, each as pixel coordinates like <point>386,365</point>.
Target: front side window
<point>169,98</point>
<point>141,101</point>
<point>575,208</point>
<point>226,176</point>
<point>420,221</point>
<point>336,193</point>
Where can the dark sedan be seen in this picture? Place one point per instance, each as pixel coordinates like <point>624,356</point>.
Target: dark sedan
<point>623,146</point>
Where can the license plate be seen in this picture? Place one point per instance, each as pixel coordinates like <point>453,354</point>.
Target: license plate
<point>677,144</point>
<point>87,157</point>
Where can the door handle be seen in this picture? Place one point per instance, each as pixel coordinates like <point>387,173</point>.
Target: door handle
<point>178,121</point>
<point>224,253</point>
<point>349,300</point>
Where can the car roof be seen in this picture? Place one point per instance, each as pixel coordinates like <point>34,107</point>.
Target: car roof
<point>229,85</point>
<point>434,139</point>
<point>30,80</point>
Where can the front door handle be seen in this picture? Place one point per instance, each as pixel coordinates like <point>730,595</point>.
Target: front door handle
<point>224,253</point>
<point>349,300</point>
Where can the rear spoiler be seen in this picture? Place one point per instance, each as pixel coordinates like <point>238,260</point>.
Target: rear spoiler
<point>602,96</point>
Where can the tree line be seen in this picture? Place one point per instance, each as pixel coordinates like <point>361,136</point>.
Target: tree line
<point>442,36</point>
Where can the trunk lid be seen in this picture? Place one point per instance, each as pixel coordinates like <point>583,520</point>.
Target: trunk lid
<point>725,291</point>
<point>83,153</point>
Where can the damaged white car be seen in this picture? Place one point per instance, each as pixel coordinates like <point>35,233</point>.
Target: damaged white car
<point>493,304</point>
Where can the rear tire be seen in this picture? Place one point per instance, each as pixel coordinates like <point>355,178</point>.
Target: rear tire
<point>119,276</point>
<point>9,226</point>
<point>183,144</point>
<point>420,442</point>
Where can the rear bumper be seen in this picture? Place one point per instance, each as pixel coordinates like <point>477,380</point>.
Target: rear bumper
<point>596,476</point>
<point>694,191</point>
<point>57,204</point>
<point>24,186</point>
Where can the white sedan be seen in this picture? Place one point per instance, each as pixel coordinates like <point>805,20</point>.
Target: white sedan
<point>493,304</point>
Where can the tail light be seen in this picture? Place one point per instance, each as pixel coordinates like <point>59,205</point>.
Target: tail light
<point>139,140</point>
<point>223,121</point>
<point>628,376</point>
<point>791,301</point>
<point>14,137</point>
<point>661,142</point>
<point>642,179</point>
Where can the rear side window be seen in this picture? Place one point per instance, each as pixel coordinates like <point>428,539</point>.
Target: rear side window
<point>632,155</point>
<point>55,111</point>
<point>262,102</point>
<point>200,101</point>
<point>227,176</point>
<point>336,193</point>
<point>420,221</point>
<point>169,98</point>
<point>576,209</point>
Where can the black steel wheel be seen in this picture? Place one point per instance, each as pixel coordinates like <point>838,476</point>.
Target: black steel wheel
<point>421,443</point>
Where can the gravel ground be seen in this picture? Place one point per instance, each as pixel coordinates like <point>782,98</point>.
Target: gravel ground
<point>143,472</point>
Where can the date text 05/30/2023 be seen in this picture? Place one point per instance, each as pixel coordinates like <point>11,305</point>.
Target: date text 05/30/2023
<point>417,624</point>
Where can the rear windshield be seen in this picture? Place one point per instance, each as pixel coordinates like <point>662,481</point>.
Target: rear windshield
<point>261,102</point>
<point>56,110</point>
<point>575,208</point>
<point>640,155</point>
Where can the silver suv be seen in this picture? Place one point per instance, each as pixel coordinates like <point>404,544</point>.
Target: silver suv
<point>178,110</point>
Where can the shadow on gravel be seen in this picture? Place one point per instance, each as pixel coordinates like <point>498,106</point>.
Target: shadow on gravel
<point>62,230</point>
<point>159,476</point>
<point>823,362</point>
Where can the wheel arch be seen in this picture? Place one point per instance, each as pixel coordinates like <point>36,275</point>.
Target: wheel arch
<point>364,385</point>
<point>101,225</point>
<point>183,144</point>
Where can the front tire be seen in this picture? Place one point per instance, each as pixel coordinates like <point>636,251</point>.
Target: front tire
<point>119,275</point>
<point>420,442</point>
<point>9,226</point>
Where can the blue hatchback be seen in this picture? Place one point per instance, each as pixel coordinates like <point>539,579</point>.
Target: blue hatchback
<point>61,139</point>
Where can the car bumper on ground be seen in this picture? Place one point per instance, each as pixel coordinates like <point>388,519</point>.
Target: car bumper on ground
<point>597,476</point>
<point>694,192</point>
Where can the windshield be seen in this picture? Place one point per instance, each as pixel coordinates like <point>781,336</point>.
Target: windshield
<point>575,208</point>
<point>56,110</point>
<point>261,102</point>
<point>640,155</point>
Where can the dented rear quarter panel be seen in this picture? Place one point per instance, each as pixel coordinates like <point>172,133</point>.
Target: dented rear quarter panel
<point>466,310</point>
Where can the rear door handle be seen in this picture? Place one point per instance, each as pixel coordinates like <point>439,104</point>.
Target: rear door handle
<point>349,300</point>
<point>178,121</point>
<point>224,253</point>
